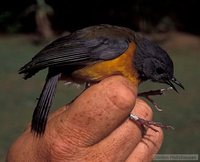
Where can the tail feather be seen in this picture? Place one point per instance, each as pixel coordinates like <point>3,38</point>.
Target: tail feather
<point>41,111</point>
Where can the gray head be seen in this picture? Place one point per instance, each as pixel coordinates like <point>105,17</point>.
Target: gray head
<point>153,63</point>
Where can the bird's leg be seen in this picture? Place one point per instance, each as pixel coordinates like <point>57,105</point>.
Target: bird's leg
<point>153,93</point>
<point>148,124</point>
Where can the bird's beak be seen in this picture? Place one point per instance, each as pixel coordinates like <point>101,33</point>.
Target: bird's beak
<point>173,80</point>
<point>177,82</point>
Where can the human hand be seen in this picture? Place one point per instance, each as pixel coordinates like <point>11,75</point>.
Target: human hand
<point>95,127</point>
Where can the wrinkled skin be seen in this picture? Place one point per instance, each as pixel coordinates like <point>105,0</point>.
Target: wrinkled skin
<point>95,127</point>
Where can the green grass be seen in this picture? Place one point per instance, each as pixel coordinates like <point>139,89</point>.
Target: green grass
<point>18,97</point>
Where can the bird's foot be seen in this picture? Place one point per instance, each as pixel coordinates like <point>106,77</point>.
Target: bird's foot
<point>154,93</point>
<point>149,124</point>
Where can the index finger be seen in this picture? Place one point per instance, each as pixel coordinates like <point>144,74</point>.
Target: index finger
<point>97,111</point>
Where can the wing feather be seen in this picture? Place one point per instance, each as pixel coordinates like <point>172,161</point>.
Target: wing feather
<point>83,47</point>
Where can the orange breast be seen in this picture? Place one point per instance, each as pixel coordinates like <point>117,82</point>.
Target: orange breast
<point>122,65</point>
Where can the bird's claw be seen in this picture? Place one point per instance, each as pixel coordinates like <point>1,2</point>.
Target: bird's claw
<point>149,124</point>
<point>154,93</point>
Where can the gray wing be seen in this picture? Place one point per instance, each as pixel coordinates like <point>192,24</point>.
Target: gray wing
<point>79,48</point>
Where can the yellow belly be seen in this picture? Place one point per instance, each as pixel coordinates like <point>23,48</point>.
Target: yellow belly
<point>122,65</point>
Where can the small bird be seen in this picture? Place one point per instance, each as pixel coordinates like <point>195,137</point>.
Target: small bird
<point>93,53</point>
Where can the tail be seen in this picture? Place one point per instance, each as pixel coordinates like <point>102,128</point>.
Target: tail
<point>41,111</point>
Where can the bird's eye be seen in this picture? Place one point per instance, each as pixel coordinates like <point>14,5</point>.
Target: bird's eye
<point>159,71</point>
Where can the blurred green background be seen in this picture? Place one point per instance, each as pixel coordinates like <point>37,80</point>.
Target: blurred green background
<point>22,37</point>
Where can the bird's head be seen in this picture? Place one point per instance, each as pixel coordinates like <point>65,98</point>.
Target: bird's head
<point>153,63</point>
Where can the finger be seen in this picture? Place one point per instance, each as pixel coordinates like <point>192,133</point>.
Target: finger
<point>148,147</point>
<point>97,111</point>
<point>122,141</point>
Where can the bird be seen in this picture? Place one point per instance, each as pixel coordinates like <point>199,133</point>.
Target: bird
<point>92,54</point>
